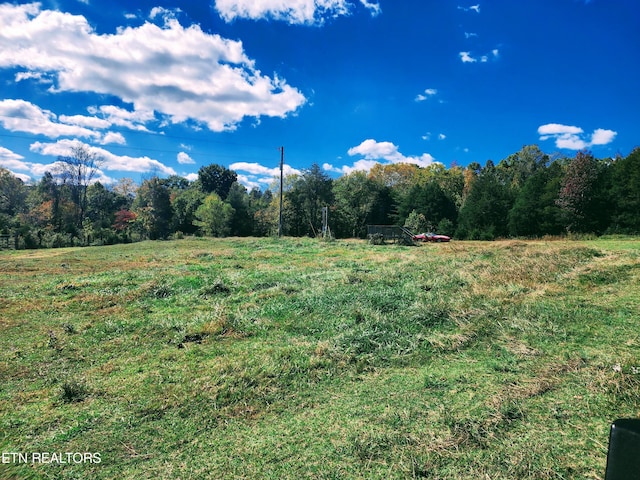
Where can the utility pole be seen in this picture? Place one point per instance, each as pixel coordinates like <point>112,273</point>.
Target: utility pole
<point>281,187</point>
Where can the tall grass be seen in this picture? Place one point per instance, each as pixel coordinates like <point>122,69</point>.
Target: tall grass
<point>247,358</point>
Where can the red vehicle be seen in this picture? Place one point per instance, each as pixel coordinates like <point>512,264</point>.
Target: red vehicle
<point>431,237</point>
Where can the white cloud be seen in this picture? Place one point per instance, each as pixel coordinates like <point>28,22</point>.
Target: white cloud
<point>185,159</point>
<point>12,161</point>
<point>558,129</point>
<point>113,137</point>
<point>249,182</point>
<point>181,73</point>
<point>120,117</point>
<point>441,136</point>
<point>602,137</point>
<point>255,175</point>
<point>15,164</point>
<point>166,13</point>
<point>373,7</point>
<point>292,11</point>
<point>466,57</point>
<point>474,8</point>
<point>257,169</point>
<point>84,121</point>
<point>571,138</point>
<point>295,12</point>
<point>429,92</point>
<point>40,77</point>
<point>374,152</point>
<point>111,161</point>
<point>23,116</point>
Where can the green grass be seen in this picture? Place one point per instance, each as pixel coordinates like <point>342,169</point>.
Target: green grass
<point>294,358</point>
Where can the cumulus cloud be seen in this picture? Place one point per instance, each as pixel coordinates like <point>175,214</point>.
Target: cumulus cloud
<point>257,169</point>
<point>111,161</point>
<point>181,73</point>
<point>11,160</point>
<point>251,174</point>
<point>602,137</point>
<point>14,163</point>
<point>23,116</point>
<point>299,12</point>
<point>121,117</point>
<point>572,138</point>
<point>466,57</point>
<point>113,137</point>
<point>374,152</point>
<point>185,159</point>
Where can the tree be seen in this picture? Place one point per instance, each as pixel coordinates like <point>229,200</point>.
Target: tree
<point>355,198</point>
<point>123,221</point>
<point>417,222</point>
<point>185,203</point>
<point>76,172</point>
<point>430,201</point>
<point>310,192</point>
<point>216,179</point>
<point>153,210</point>
<point>518,167</point>
<point>214,216</point>
<point>126,187</point>
<point>242,221</point>
<point>13,193</point>
<point>581,195</point>
<point>625,194</point>
<point>483,215</point>
<point>535,212</point>
<point>102,204</point>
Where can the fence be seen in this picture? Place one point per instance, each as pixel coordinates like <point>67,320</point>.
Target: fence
<point>389,232</point>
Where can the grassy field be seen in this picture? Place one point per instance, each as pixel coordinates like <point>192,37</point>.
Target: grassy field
<point>296,358</point>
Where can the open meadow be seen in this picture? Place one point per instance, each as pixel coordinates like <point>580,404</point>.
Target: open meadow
<point>297,358</point>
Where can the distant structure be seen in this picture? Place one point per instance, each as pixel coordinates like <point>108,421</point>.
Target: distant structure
<point>396,233</point>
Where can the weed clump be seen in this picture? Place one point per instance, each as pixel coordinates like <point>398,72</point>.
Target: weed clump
<point>159,290</point>
<point>217,288</point>
<point>73,391</point>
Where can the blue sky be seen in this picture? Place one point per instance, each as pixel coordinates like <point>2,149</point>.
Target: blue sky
<point>167,86</point>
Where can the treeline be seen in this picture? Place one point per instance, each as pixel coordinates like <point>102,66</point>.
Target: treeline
<point>526,194</point>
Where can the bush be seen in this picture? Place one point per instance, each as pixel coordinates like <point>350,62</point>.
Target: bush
<point>376,239</point>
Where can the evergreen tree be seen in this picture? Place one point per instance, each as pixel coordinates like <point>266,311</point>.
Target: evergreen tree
<point>624,194</point>
<point>535,212</point>
<point>484,213</point>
